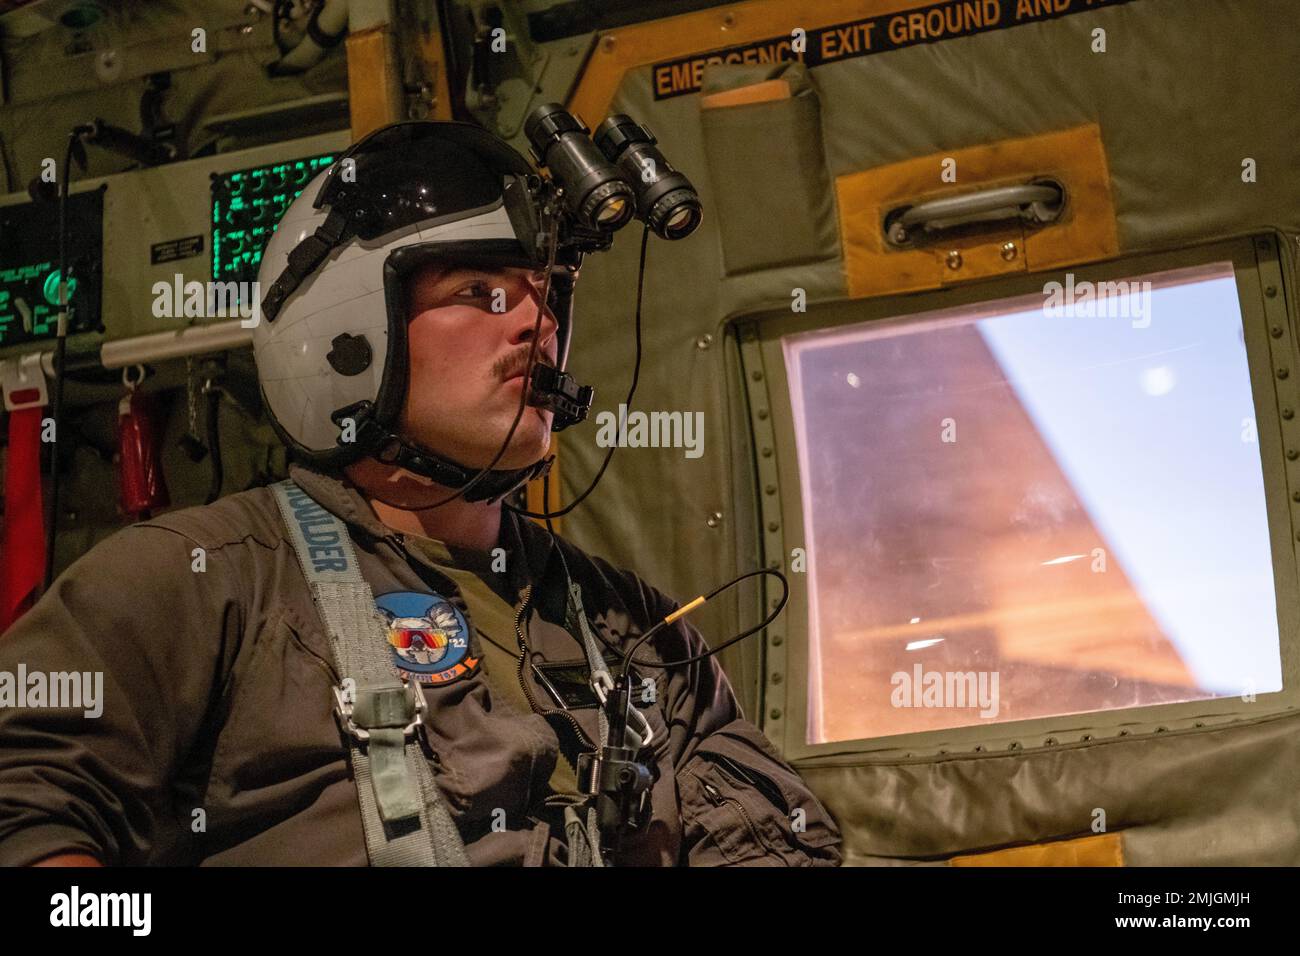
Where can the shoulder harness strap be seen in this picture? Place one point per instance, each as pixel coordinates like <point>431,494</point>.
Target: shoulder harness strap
<point>405,819</point>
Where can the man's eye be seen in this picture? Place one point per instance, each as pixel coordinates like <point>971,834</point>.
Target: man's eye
<point>474,290</point>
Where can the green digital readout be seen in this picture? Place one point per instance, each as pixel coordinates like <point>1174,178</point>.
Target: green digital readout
<point>29,268</point>
<point>246,208</point>
<point>29,301</point>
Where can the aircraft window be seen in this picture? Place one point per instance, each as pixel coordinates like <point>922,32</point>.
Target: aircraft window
<point>1033,507</point>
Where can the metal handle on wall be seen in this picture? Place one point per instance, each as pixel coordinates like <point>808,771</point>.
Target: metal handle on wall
<point>1037,203</point>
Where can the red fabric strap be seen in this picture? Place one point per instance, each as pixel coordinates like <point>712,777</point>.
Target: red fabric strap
<point>22,551</point>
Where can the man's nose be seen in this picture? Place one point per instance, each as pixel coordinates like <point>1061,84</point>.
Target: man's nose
<point>524,319</point>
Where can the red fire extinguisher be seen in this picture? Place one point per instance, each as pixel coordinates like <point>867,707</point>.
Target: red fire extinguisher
<point>141,486</point>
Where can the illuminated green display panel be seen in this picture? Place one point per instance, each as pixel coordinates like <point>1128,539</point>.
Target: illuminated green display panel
<point>29,268</point>
<point>247,206</point>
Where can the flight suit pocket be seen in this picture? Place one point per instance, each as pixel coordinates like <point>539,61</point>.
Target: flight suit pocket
<point>742,805</point>
<point>278,745</point>
<point>716,823</point>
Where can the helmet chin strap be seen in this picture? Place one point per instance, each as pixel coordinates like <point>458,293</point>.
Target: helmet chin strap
<point>389,448</point>
<point>392,449</point>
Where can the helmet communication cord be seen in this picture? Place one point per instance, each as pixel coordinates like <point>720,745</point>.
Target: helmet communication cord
<point>620,782</point>
<point>636,373</point>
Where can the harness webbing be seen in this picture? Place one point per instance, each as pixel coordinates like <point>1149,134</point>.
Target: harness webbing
<point>405,819</point>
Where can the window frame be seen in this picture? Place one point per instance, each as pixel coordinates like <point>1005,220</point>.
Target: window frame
<point>1270,359</point>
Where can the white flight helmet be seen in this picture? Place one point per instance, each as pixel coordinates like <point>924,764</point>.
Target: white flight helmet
<point>331,343</point>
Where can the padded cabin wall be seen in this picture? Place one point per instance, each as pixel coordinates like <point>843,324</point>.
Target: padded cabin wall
<point>1186,91</point>
<point>1220,796</point>
<point>231,77</point>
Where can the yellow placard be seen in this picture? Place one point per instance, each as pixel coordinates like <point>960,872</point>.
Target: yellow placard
<point>1086,231</point>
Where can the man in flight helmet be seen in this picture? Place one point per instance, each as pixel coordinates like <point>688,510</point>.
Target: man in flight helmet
<point>352,278</point>
<point>375,661</point>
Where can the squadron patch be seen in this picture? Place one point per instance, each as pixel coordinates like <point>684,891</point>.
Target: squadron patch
<point>428,637</point>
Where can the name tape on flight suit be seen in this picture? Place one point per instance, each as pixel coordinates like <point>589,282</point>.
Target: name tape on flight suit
<point>321,535</point>
<point>880,34</point>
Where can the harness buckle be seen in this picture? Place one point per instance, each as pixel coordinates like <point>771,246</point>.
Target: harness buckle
<point>601,684</point>
<point>370,707</point>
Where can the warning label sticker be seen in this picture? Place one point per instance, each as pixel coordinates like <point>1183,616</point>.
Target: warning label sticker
<point>174,249</point>
<point>928,24</point>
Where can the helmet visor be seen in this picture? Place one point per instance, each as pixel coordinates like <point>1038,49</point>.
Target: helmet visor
<point>413,172</point>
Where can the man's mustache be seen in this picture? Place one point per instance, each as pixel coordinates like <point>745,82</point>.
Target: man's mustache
<point>517,361</point>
